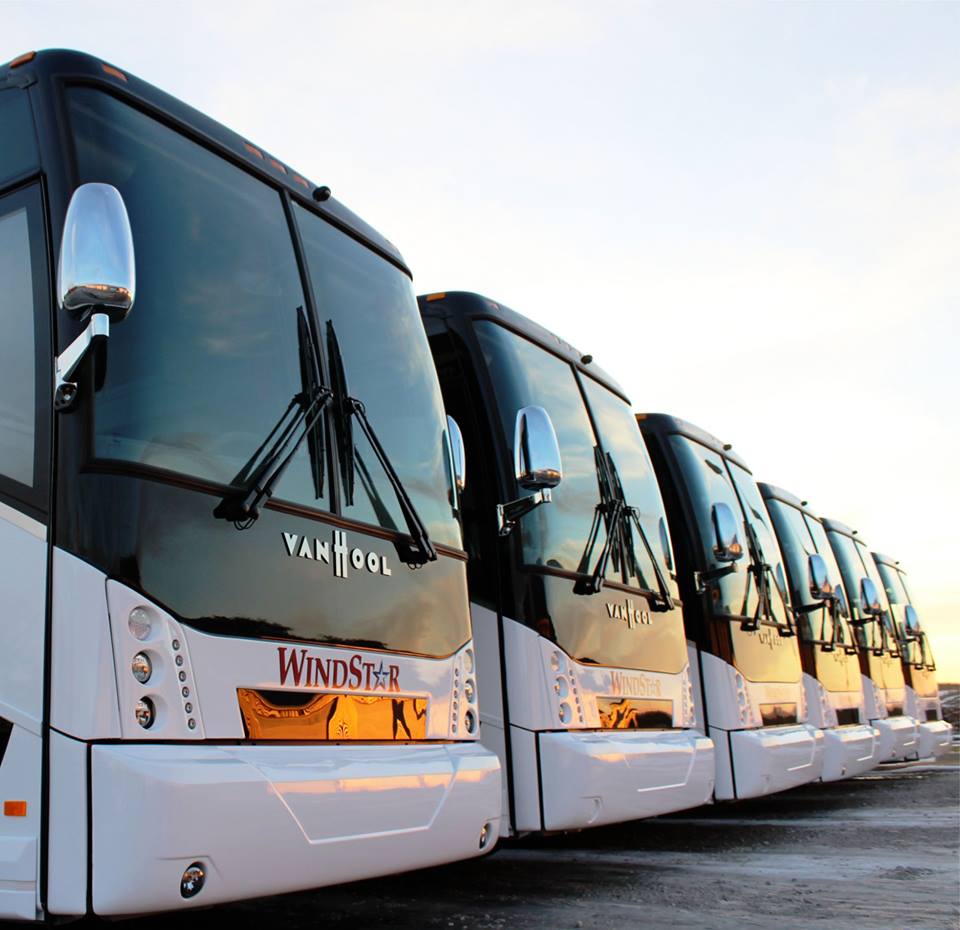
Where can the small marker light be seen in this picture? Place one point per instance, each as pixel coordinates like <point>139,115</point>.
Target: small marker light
<point>469,690</point>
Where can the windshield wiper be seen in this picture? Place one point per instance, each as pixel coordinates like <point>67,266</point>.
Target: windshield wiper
<point>609,512</point>
<point>664,600</point>
<point>761,570</point>
<point>418,549</point>
<point>255,482</point>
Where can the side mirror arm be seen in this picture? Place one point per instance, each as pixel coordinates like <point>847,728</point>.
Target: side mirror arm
<point>509,514</point>
<point>65,390</point>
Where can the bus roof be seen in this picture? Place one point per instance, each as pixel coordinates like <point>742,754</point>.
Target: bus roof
<point>772,492</point>
<point>837,527</point>
<point>68,65</point>
<point>665,423</point>
<point>465,305</point>
<point>887,560</point>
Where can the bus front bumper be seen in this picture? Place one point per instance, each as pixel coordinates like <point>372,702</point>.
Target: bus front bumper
<point>898,738</point>
<point>849,751</point>
<point>773,759</point>
<point>933,738</point>
<point>608,776</point>
<point>262,820</point>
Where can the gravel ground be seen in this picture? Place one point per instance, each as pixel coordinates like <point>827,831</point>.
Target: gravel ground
<point>879,851</point>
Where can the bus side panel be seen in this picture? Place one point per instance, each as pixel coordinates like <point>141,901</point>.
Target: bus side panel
<point>67,882</point>
<point>23,550</point>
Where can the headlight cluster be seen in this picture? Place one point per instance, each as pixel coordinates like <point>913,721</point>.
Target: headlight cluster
<point>688,711</point>
<point>158,689</point>
<point>464,712</point>
<point>565,690</point>
<point>744,705</point>
<point>828,713</point>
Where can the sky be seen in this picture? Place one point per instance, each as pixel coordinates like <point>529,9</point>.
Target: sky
<point>748,213</point>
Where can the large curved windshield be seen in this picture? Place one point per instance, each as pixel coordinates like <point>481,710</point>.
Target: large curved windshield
<point>211,355</point>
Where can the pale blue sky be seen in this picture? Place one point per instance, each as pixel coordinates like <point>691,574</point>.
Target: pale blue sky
<point>748,213</point>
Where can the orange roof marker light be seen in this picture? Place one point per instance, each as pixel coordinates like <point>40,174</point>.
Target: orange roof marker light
<point>303,182</point>
<point>14,808</point>
<point>436,296</point>
<point>253,150</point>
<point>22,59</point>
<point>281,168</point>
<point>113,72</point>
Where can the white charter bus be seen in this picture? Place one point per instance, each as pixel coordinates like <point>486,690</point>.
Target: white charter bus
<point>585,688</point>
<point>881,673</point>
<point>828,649</point>
<point>934,734</point>
<point>737,613</point>
<point>222,451</point>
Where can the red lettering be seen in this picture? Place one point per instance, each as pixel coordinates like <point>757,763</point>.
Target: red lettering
<point>293,666</point>
<point>394,677</point>
<point>367,667</point>
<point>339,673</point>
<point>323,671</point>
<point>355,663</point>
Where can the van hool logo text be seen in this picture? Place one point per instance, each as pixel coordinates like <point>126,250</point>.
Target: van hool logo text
<point>624,610</point>
<point>770,638</point>
<point>353,674</point>
<point>623,685</point>
<point>305,547</point>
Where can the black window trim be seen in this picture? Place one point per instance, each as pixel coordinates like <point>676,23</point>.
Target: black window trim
<point>34,499</point>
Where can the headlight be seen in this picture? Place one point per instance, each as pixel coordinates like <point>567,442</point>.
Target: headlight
<point>141,667</point>
<point>145,712</point>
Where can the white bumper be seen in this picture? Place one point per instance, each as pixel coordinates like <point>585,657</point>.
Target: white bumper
<point>773,759</point>
<point>596,777</point>
<point>933,738</point>
<point>849,751</point>
<point>898,738</point>
<point>269,819</point>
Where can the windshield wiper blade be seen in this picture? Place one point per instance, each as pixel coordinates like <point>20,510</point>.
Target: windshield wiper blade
<point>608,511</point>
<point>264,469</point>
<point>761,569</point>
<point>418,549</point>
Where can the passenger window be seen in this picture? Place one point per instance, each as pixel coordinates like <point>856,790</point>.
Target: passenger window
<point>21,303</point>
<point>18,154</point>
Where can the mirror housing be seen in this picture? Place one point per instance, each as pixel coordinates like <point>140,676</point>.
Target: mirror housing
<point>911,624</point>
<point>458,455</point>
<point>870,598</point>
<point>665,544</point>
<point>536,451</point>
<point>820,587</point>
<point>727,546</point>
<point>96,272</point>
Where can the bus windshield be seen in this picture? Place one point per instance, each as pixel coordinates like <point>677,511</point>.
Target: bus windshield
<point>557,536</point>
<point>209,359</point>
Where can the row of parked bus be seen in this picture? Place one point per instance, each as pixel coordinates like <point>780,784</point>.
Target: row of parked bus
<point>264,630</point>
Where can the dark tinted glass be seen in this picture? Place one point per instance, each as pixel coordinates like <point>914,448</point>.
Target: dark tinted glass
<point>17,350</point>
<point>555,534</point>
<point>756,513</point>
<point>389,368</point>
<point>708,483</point>
<point>208,360</point>
<point>18,143</point>
<point>621,438</point>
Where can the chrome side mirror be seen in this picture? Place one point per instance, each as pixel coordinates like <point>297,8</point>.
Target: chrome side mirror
<point>870,598</point>
<point>665,544</point>
<point>536,458</point>
<point>820,587</point>
<point>841,600</point>
<point>96,276</point>
<point>911,623</point>
<point>727,546</point>
<point>97,272</point>
<point>536,452</point>
<point>458,455</point>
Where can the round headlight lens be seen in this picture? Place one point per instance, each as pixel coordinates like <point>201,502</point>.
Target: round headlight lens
<point>141,667</point>
<point>469,690</point>
<point>145,713</point>
<point>140,624</point>
<point>468,661</point>
<point>470,722</point>
<point>566,713</point>
<point>193,880</point>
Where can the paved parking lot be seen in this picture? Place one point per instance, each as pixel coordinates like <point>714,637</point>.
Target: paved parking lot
<point>879,852</point>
